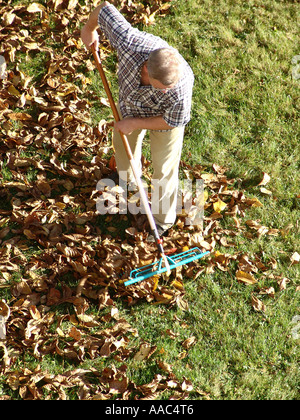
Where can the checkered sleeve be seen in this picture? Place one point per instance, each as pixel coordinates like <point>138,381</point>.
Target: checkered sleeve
<point>114,26</point>
<point>179,113</point>
<point>122,36</point>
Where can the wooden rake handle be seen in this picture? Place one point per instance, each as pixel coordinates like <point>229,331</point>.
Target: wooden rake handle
<point>129,154</point>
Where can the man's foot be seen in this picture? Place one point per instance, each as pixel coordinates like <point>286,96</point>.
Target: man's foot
<point>114,176</point>
<point>162,231</point>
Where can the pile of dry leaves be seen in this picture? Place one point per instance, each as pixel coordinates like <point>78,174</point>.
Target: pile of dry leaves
<point>53,249</point>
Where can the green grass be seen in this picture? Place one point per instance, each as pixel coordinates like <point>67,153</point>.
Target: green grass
<point>245,117</point>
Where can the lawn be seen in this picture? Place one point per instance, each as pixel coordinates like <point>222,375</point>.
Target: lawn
<point>224,328</point>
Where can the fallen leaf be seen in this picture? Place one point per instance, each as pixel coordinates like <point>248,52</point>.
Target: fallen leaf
<point>270,291</point>
<point>189,342</point>
<point>35,7</point>
<point>164,366</point>
<point>295,258</point>
<point>219,206</point>
<point>265,191</point>
<point>145,351</point>
<point>283,283</point>
<point>254,202</point>
<point>257,304</point>
<point>266,178</point>
<point>75,334</point>
<point>245,278</point>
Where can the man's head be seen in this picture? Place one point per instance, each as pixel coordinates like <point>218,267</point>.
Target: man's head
<point>164,65</point>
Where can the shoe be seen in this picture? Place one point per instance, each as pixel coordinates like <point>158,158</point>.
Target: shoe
<point>161,232</point>
<point>114,176</point>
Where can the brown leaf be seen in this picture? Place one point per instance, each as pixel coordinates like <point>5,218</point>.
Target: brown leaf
<point>53,296</point>
<point>189,342</point>
<point>19,116</point>
<point>75,334</point>
<point>268,291</point>
<point>283,283</point>
<point>164,366</point>
<point>145,352</point>
<point>257,304</point>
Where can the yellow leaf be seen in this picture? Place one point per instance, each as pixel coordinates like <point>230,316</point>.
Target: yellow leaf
<point>13,91</point>
<point>205,196</point>
<point>244,277</point>
<point>177,284</point>
<point>265,191</point>
<point>219,206</point>
<point>8,18</point>
<point>31,45</point>
<point>156,280</point>
<point>72,4</point>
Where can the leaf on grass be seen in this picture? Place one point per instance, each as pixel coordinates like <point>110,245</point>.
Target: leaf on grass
<point>219,206</point>
<point>283,283</point>
<point>266,191</point>
<point>257,304</point>
<point>164,366</point>
<point>295,258</point>
<point>75,334</point>
<point>189,342</point>
<point>265,179</point>
<point>145,352</point>
<point>245,278</point>
<point>254,202</point>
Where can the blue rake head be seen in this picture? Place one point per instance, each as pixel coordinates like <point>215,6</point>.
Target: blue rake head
<point>143,273</point>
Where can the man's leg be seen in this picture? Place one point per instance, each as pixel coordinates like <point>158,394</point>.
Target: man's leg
<point>166,147</point>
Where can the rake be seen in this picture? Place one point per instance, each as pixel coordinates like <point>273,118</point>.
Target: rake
<point>165,263</point>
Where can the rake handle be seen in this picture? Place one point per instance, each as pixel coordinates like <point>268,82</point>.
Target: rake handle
<point>116,115</point>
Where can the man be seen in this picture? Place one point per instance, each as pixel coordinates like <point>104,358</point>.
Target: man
<point>155,93</point>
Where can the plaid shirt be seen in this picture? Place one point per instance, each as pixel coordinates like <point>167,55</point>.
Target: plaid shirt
<point>133,48</point>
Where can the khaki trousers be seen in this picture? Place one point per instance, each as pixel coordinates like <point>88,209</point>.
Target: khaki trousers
<point>166,147</point>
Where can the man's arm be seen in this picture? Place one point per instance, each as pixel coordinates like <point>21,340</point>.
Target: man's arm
<point>89,33</point>
<point>128,125</point>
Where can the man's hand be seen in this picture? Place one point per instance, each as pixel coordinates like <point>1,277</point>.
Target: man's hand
<point>89,37</point>
<point>127,126</point>
<point>89,33</point>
